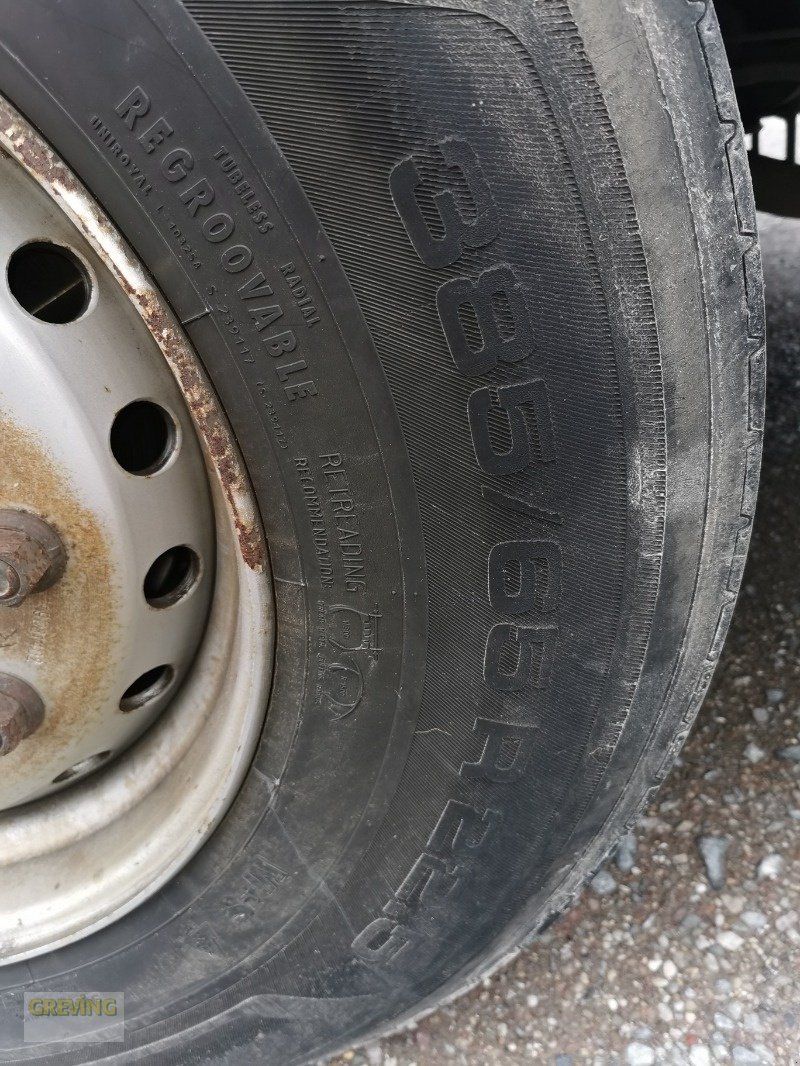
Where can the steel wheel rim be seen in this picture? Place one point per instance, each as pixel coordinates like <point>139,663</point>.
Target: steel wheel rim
<point>112,838</point>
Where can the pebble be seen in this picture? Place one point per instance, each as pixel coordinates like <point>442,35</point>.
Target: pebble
<point>774,695</point>
<point>785,922</point>
<point>626,853</point>
<point>791,753</point>
<point>745,1056</point>
<point>754,919</point>
<point>603,884</point>
<point>729,940</point>
<point>760,715</point>
<point>735,904</point>
<point>754,754</point>
<point>770,867</point>
<point>637,1054</point>
<point>713,851</point>
<point>699,1055</point>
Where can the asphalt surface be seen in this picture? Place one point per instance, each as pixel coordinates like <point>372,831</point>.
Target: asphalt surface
<point>654,964</point>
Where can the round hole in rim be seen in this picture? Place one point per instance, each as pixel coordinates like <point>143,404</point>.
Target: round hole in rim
<point>171,577</point>
<point>146,687</point>
<point>143,437</point>
<point>49,282</point>
<point>82,768</point>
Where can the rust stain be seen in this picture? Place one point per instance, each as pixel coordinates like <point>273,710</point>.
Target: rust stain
<point>63,186</point>
<point>69,631</point>
<point>213,430</point>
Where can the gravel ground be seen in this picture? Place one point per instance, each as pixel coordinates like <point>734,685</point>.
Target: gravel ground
<point>686,949</point>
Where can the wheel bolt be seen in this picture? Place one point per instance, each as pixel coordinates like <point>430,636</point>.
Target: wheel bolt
<point>21,712</point>
<point>32,557</point>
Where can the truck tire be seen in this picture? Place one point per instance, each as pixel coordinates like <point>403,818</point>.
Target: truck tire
<point>502,410</point>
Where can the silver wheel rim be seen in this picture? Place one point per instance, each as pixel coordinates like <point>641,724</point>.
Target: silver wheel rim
<point>152,653</point>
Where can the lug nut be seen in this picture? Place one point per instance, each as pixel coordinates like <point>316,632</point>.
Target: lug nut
<point>32,557</point>
<point>21,712</point>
